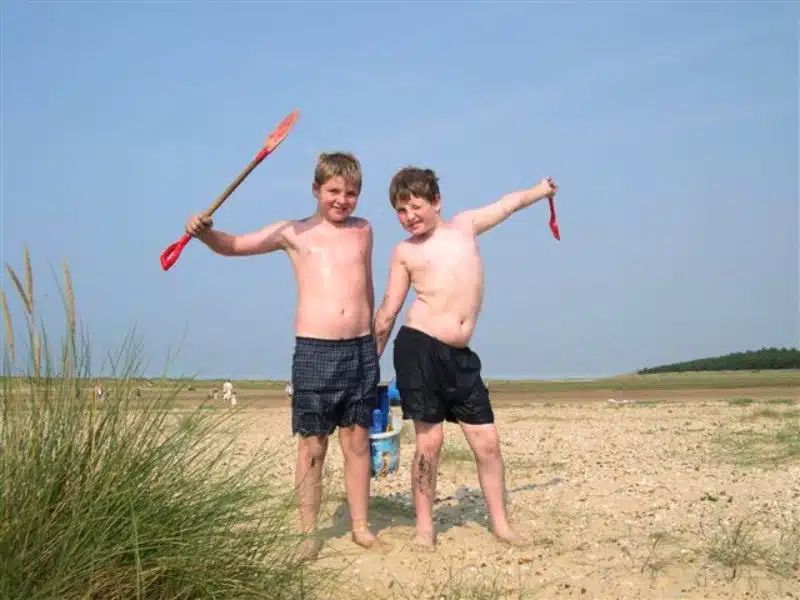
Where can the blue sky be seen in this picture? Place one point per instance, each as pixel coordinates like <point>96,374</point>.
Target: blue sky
<point>671,129</point>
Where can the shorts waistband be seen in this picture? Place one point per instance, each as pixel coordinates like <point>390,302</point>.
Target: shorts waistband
<point>325,342</point>
<point>406,330</point>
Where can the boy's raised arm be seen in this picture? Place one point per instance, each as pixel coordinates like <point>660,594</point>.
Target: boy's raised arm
<point>486,217</point>
<point>265,240</point>
<point>393,299</point>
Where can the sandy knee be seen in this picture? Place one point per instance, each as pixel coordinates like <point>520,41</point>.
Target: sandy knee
<point>311,451</point>
<point>429,437</point>
<point>484,441</point>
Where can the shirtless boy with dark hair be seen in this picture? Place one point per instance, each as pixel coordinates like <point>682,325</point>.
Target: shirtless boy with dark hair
<point>335,369</point>
<point>437,374</point>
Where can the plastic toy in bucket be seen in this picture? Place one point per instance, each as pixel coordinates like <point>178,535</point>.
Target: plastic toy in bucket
<point>393,393</point>
<point>384,448</point>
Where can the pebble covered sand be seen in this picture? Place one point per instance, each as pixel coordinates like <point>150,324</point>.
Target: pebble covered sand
<point>656,496</point>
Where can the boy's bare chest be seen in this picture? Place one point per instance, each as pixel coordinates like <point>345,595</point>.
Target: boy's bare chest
<point>455,255</point>
<point>334,253</point>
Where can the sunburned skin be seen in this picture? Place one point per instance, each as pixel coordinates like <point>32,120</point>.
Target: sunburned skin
<point>324,262</point>
<point>449,290</point>
<point>326,309</point>
<point>331,255</point>
<point>441,262</point>
<point>323,254</point>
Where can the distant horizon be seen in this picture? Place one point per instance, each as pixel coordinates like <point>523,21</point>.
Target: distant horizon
<point>539,376</point>
<point>488,378</point>
<point>532,377</point>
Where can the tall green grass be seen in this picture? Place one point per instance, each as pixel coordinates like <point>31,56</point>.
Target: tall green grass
<point>123,498</point>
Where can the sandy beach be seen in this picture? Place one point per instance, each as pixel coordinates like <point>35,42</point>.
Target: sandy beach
<point>650,494</point>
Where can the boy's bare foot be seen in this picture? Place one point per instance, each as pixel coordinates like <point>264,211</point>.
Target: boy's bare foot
<point>364,537</point>
<point>510,537</point>
<point>309,549</point>
<point>424,542</point>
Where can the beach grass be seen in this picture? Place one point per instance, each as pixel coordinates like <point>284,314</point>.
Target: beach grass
<point>103,502</point>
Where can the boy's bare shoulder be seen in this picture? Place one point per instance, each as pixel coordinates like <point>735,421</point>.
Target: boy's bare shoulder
<point>294,227</point>
<point>359,223</point>
<point>403,249</point>
<point>298,223</point>
<point>295,231</point>
<point>463,222</point>
<point>362,229</point>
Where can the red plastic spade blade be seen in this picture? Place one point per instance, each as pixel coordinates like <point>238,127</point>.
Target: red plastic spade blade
<point>553,221</point>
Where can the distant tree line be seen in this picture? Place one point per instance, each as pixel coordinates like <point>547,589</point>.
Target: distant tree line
<point>751,360</point>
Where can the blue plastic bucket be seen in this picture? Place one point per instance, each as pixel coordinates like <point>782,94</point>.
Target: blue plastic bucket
<point>384,449</point>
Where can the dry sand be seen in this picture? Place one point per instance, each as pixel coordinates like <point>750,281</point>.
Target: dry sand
<point>636,500</point>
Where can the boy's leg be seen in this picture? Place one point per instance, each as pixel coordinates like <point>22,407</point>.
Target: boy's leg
<point>485,444</point>
<point>311,451</point>
<point>424,469</point>
<point>359,360</point>
<point>313,421</point>
<point>354,440</point>
<point>473,410</point>
<point>416,363</point>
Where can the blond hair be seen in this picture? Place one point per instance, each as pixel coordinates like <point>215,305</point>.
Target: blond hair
<point>338,164</point>
<point>413,181</point>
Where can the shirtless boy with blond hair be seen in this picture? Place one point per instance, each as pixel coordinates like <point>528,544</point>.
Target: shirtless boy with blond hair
<point>335,370</point>
<point>437,374</point>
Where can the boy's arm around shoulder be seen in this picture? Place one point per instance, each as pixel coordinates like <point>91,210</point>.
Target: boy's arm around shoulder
<point>263,241</point>
<point>486,217</point>
<point>393,298</point>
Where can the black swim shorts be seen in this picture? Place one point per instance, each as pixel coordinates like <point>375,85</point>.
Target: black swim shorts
<point>335,384</point>
<point>439,382</point>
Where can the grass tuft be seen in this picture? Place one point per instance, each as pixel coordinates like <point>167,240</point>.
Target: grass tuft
<point>742,544</point>
<point>768,437</point>
<point>123,498</point>
<point>740,401</point>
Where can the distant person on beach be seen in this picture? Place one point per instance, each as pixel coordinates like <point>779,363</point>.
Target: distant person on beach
<point>228,394</point>
<point>99,392</point>
<point>335,369</point>
<point>437,374</point>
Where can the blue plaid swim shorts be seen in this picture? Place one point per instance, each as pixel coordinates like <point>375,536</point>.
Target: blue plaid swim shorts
<point>335,384</point>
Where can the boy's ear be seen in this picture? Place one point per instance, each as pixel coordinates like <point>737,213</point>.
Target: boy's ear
<point>437,203</point>
<point>315,190</point>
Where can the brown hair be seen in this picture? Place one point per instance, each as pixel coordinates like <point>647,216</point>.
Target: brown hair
<point>413,181</point>
<point>338,164</point>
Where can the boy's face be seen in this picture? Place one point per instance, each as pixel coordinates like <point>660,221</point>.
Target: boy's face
<point>418,216</point>
<point>336,198</point>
